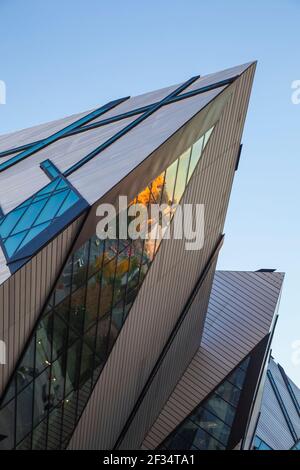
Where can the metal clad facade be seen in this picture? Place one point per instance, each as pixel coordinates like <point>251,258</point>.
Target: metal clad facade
<point>181,351</point>
<point>23,295</point>
<point>125,154</point>
<point>240,313</point>
<point>272,426</point>
<point>166,287</point>
<point>31,134</point>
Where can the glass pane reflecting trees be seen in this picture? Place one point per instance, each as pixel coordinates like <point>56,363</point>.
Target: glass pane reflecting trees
<point>80,324</point>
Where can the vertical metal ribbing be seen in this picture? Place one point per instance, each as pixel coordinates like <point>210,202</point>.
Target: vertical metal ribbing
<point>168,344</point>
<point>282,406</point>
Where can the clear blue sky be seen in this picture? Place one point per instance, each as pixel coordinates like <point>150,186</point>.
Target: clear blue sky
<point>62,57</point>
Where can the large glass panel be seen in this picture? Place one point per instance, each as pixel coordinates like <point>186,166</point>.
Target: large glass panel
<point>80,262</point>
<point>92,301</point>
<point>207,442</point>
<point>7,426</point>
<point>107,284</point>
<point>296,446</point>
<point>69,415</point>
<point>169,185</point>
<point>25,444</point>
<point>260,445</point>
<point>54,428</point>
<point>29,217</point>
<point>43,343</point>
<point>121,275</point>
<point>195,155</point>
<point>42,397</point>
<point>213,425</point>
<point>48,189</point>
<point>221,408</point>
<point>110,251</point>
<point>86,311</point>
<point>181,176</point>
<point>69,201</point>
<point>12,243</point>
<point>135,262</point>
<point>77,310</point>
<point>179,443</point>
<point>103,329</point>
<point>90,337</point>
<point>57,380</point>
<point>60,336</point>
<point>8,223</point>
<point>144,269</point>
<point>27,221</point>
<point>96,255</point>
<point>209,426</point>
<point>207,136</point>
<point>87,361</point>
<point>39,436</point>
<point>238,377</point>
<point>33,232</point>
<point>10,392</point>
<point>199,438</point>
<point>229,393</point>
<point>157,187</point>
<point>24,412</point>
<point>83,395</point>
<point>117,316</point>
<point>197,150</point>
<point>72,369</point>
<point>63,286</point>
<point>26,371</point>
<point>63,309</point>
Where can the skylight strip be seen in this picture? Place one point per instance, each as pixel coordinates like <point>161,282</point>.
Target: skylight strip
<point>129,127</point>
<point>127,114</point>
<point>57,135</point>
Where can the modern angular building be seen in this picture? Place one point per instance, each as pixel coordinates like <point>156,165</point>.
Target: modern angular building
<point>216,403</point>
<point>278,424</point>
<point>102,336</point>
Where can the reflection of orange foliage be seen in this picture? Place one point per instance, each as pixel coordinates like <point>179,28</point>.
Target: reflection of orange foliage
<point>108,270</point>
<point>92,300</point>
<point>156,186</point>
<point>98,262</point>
<point>122,266</point>
<point>145,195</point>
<point>109,255</point>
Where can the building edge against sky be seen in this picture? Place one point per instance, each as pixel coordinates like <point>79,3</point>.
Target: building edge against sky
<point>95,347</point>
<point>217,401</point>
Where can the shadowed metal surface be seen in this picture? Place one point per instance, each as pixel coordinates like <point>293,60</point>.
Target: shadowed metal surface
<point>154,313</point>
<point>240,314</point>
